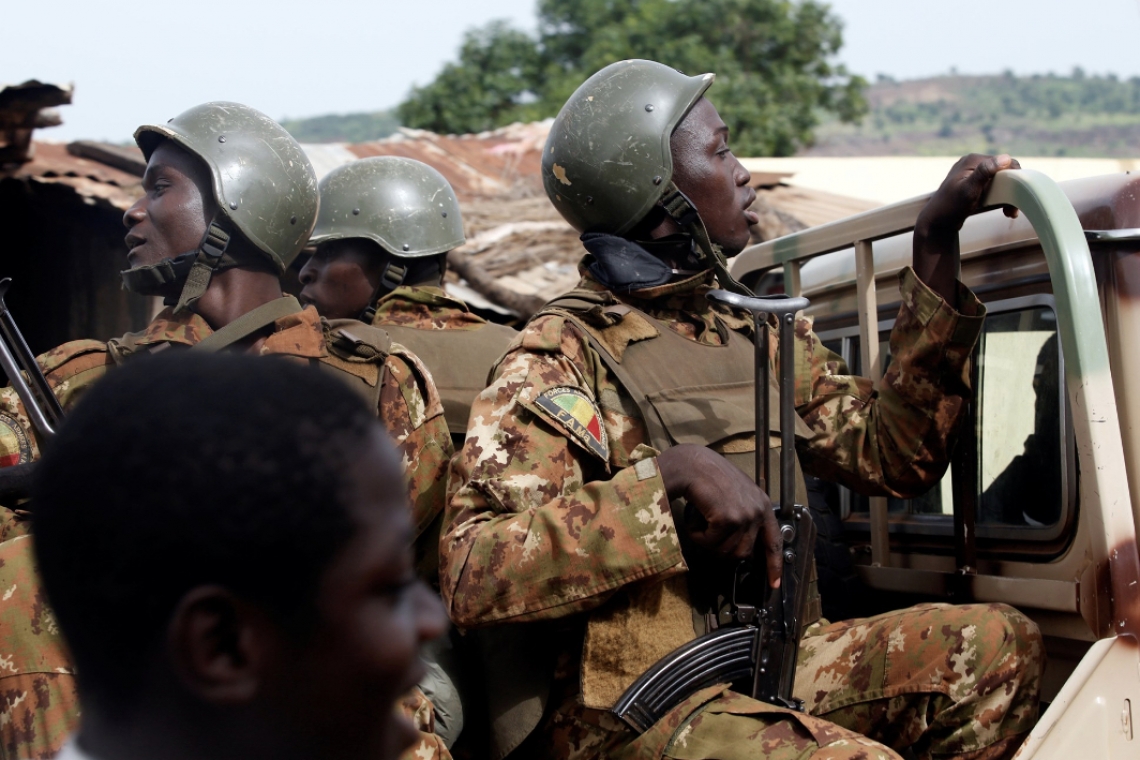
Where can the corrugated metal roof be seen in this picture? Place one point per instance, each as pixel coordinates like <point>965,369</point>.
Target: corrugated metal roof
<point>93,180</point>
<point>503,162</point>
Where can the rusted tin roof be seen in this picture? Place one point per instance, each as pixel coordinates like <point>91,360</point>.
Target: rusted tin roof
<point>95,181</point>
<point>500,163</point>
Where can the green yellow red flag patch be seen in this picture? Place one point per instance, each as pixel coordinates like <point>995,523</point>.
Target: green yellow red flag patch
<point>579,415</point>
<point>15,448</point>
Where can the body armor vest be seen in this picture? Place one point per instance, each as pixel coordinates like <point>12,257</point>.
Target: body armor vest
<point>692,392</point>
<point>460,362</point>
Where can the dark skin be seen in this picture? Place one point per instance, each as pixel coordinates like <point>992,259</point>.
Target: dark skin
<point>341,276</point>
<point>733,512</point>
<point>232,682</point>
<point>172,217</point>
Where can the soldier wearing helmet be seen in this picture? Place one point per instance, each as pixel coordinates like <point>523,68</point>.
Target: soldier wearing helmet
<point>632,392</point>
<point>229,201</point>
<point>385,226</point>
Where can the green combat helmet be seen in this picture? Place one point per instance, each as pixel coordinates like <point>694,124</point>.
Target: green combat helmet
<point>264,186</point>
<point>404,206</point>
<point>607,160</point>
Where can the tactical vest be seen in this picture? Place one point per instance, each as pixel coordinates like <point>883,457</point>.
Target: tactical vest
<point>356,354</point>
<point>686,392</point>
<point>690,392</point>
<point>460,362</point>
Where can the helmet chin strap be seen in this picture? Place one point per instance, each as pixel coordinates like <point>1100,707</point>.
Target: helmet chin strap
<point>193,270</point>
<point>391,278</point>
<point>683,212</point>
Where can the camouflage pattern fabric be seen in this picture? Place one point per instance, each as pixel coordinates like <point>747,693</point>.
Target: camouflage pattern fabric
<point>543,527</point>
<point>39,706</point>
<point>943,681</point>
<point>425,307</point>
<point>417,708</point>
<point>409,407</point>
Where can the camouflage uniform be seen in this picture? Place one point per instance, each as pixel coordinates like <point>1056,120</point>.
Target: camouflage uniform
<point>567,521</point>
<point>460,348</point>
<point>429,321</point>
<point>40,708</point>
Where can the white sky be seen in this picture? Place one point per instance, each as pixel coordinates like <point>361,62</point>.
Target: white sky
<point>292,58</point>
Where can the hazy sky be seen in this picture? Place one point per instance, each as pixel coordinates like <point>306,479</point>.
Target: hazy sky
<point>136,62</point>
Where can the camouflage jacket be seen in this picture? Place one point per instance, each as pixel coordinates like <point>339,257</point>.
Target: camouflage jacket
<point>409,405</point>
<point>426,307</point>
<point>459,346</point>
<point>551,519</point>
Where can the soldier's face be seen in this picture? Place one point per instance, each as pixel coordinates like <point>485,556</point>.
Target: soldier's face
<point>175,210</point>
<point>342,681</point>
<point>341,276</point>
<point>714,180</point>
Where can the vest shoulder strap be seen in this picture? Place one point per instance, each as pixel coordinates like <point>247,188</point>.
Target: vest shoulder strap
<point>358,351</point>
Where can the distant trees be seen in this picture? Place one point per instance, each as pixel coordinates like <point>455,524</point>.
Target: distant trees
<point>352,127</point>
<point>773,60</point>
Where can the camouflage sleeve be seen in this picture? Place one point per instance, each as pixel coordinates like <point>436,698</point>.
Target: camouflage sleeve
<point>70,370</point>
<point>895,439</point>
<point>412,412</point>
<point>545,522</point>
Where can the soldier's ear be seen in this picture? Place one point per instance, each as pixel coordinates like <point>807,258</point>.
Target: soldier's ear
<point>216,645</point>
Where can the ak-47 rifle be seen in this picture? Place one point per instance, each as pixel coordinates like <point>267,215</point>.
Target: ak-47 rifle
<point>756,650</point>
<point>27,379</point>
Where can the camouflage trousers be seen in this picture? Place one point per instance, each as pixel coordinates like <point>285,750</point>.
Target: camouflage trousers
<point>938,681</point>
<point>39,705</point>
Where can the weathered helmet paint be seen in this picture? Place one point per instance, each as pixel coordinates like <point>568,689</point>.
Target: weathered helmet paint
<point>607,160</point>
<point>404,205</point>
<point>263,182</point>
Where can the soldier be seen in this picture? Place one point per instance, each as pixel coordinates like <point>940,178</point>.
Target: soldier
<point>633,392</point>
<point>382,236</point>
<point>229,201</point>
<point>244,586</point>
<point>385,227</point>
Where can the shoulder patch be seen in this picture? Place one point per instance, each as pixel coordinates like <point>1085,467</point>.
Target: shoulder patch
<point>15,448</point>
<point>578,415</point>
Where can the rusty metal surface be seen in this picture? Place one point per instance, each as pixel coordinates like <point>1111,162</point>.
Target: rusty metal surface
<point>504,162</point>
<point>96,182</point>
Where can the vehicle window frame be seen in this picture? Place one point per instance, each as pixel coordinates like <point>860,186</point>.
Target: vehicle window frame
<point>941,526</point>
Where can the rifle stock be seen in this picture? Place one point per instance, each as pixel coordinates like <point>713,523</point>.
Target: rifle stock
<point>28,380</point>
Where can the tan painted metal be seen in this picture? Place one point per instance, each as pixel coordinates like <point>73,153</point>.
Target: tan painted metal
<point>1090,590</point>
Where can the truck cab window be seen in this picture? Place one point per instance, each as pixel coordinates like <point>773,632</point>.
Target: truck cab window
<point>1025,464</point>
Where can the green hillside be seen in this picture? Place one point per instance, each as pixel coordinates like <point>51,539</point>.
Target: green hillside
<point>351,127</point>
<point>1041,115</point>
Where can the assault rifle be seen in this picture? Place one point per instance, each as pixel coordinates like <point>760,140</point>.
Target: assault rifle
<point>27,379</point>
<point>755,648</point>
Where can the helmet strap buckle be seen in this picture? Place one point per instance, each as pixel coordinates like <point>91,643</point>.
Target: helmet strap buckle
<point>391,278</point>
<point>682,210</point>
<point>393,275</point>
<point>210,253</point>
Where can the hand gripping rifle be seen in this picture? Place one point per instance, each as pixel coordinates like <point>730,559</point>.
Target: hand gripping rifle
<point>756,650</point>
<point>27,379</point>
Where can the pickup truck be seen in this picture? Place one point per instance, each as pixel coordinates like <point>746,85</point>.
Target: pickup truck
<point>1040,506</point>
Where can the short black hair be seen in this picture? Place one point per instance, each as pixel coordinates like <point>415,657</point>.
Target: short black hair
<point>185,469</point>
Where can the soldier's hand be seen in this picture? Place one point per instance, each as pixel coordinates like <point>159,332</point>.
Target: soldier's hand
<point>733,517</point>
<point>936,252</point>
<point>961,193</point>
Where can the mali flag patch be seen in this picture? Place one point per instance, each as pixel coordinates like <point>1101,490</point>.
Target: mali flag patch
<point>579,416</point>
